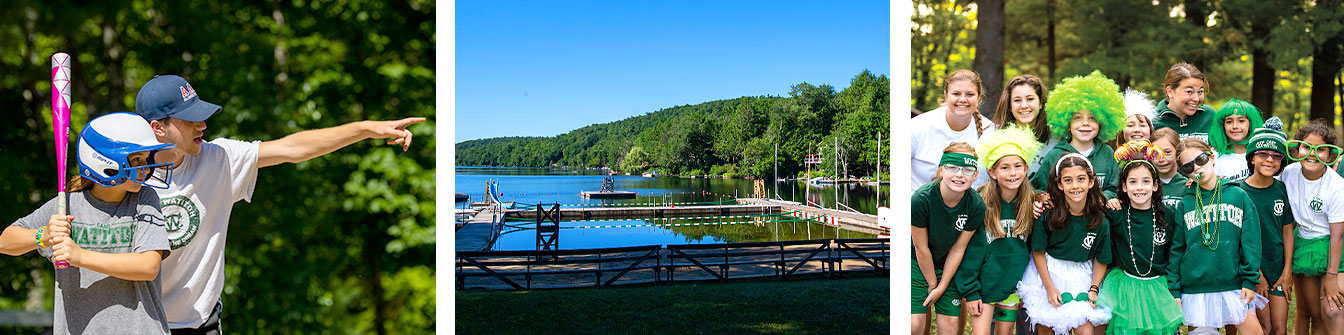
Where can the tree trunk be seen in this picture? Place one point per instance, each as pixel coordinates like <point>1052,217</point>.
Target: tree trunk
<point>1196,14</point>
<point>1050,40</point>
<point>1262,74</point>
<point>1325,64</point>
<point>375,243</point>
<point>113,51</point>
<point>989,52</point>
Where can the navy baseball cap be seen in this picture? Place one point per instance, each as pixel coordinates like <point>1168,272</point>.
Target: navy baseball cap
<point>171,96</point>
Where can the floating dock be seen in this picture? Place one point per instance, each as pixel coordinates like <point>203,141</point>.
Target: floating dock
<point>608,195</point>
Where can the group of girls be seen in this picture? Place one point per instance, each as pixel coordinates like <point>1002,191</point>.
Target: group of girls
<point>1122,216</point>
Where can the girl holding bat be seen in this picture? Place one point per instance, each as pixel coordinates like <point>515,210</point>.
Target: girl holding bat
<point>114,237</point>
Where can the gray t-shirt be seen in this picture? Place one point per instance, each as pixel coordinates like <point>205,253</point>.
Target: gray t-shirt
<point>89,302</point>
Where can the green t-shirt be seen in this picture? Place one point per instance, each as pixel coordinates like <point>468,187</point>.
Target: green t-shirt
<point>1275,213</point>
<point>1232,258</point>
<point>1074,242</point>
<point>1103,162</point>
<point>1140,245</point>
<point>1197,125</point>
<point>993,265</point>
<point>944,224</point>
<point>1173,192</point>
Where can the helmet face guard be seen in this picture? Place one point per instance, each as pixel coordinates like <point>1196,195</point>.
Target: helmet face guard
<point>105,160</point>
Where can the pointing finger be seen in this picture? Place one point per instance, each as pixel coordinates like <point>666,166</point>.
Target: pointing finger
<point>409,121</point>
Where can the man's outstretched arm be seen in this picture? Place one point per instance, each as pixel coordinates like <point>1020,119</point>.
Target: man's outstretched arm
<point>309,144</point>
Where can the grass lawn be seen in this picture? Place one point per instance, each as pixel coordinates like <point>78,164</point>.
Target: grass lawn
<point>1292,309</point>
<point>857,304</point>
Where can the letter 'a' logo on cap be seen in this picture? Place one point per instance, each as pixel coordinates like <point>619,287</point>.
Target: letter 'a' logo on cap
<point>187,92</point>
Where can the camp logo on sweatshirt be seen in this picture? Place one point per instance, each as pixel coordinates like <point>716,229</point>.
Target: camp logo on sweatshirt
<point>961,222</point>
<point>1087,241</point>
<point>1159,236</point>
<point>1171,201</point>
<point>1201,136</point>
<point>1316,204</point>
<point>1213,213</point>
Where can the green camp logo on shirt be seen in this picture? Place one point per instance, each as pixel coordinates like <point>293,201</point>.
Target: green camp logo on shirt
<point>103,236</point>
<point>1278,207</point>
<point>1159,236</point>
<point>1087,241</point>
<point>1316,204</point>
<point>181,218</point>
<point>1171,202</point>
<point>961,222</point>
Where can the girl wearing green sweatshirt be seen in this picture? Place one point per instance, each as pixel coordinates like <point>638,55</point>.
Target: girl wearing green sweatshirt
<point>1136,294</point>
<point>945,214</point>
<point>1184,110</point>
<point>1070,249</point>
<point>1215,253</point>
<point>998,254</point>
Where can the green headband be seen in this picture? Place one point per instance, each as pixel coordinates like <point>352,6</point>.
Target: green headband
<point>957,159</point>
<point>1125,164</point>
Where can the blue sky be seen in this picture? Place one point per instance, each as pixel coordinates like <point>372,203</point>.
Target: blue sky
<point>544,68</point>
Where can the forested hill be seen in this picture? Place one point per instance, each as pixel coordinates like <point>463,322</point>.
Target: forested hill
<point>733,137</point>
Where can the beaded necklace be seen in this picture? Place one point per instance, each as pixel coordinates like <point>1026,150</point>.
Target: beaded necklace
<point>1209,229</point>
<point>1129,226</point>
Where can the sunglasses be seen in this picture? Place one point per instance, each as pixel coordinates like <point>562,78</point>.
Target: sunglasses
<point>1189,167</point>
<point>1069,297</point>
<point>1269,155</point>
<point>963,170</point>
<point>1327,154</point>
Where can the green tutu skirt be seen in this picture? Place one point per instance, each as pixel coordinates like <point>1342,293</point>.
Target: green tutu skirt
<point>1141,306</point>
<point>1310,255</point>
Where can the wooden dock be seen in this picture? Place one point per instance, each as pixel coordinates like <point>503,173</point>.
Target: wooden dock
<point>649,212</point>
<point>864,223</point>
<point>480,231</point>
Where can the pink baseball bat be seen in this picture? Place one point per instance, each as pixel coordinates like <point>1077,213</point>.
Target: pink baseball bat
<point>60,121</point>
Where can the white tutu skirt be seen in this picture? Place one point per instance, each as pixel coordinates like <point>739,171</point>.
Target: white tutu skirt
<point>1068,277</point>
<point>1218,309</point>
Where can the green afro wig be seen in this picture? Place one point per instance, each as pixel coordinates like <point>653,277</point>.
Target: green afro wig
<point>1218,135</point>
<point>1094,93</point>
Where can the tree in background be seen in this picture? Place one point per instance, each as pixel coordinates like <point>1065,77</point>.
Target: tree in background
<point>340,244</point>
<point>1284,56</point>
<point>733,137</point>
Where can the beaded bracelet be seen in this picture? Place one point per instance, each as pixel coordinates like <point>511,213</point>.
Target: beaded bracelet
<point>39,237</point>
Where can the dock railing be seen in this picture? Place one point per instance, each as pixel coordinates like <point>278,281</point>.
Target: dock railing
<point>658,264</point>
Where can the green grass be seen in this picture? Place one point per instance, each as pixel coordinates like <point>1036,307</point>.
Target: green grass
<point>1292,310</point>
<point>857,304</point>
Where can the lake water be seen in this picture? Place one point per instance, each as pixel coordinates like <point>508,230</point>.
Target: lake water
<point>542,185</point>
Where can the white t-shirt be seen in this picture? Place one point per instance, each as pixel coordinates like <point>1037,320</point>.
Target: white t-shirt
<point>196,208</point>
<point>929,135</point>
<point>1316,203</point>
<point>1232,167</point>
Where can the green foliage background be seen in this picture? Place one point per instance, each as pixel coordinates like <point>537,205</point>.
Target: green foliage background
<point>340,244</point>
<point>732,137</point>
<point>1134,42</point>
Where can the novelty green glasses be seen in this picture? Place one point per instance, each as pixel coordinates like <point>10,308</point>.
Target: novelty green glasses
<point>1327,154</point>
<point>1069,297</point>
